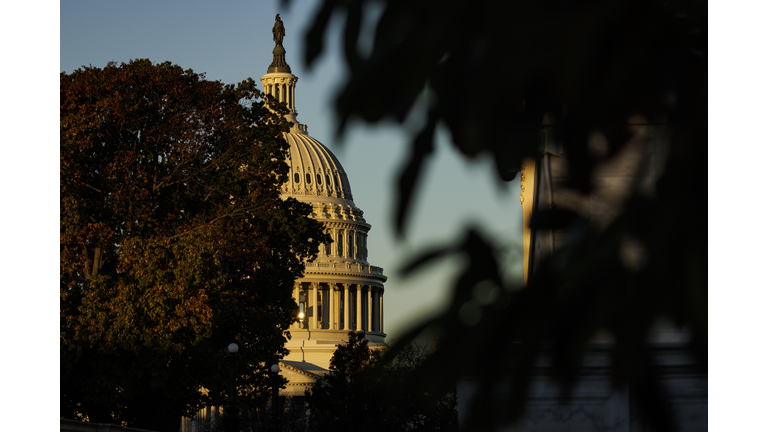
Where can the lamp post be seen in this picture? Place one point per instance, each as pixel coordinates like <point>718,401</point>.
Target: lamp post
<point>231,411</point>
<point>302,308</point>
<point>301,315</point>
<point>275,421</point>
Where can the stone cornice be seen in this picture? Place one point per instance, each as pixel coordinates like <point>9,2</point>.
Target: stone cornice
<point>297,370</point>
<point>348,269</point>
<point>367,279</point>
<point>331,278</point>
<point>344,224</point>
<point>295,384</point>
<point>296,192</point>
<point>318,350</point>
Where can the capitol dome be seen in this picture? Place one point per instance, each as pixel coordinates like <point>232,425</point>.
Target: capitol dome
<point>316,174</point>
<point>340,291</point>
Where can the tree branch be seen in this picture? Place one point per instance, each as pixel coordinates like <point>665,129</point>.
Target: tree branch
<point>239,212</point>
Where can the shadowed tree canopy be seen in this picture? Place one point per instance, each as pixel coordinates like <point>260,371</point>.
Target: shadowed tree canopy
<point>174,241</point>
<point>494,73</point>
<point>363,393</point>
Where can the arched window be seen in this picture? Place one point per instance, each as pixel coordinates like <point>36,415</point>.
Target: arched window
<point>319,179</point>
<point>309,178</point>
<point>284,95</point>
<point>296,178</point>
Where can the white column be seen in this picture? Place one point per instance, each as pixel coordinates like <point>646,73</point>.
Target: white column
<point>313,294</point>
<point>336,251</point>
<point>347,315</point>
<point>370,309</point>
<point>372,313</point>
<point>296,299</point>
<point>331,306</point>
<point>337,309</point>
<point>381,310</point>
<point>375,310</point>
<point>323,307</point>
<point>359,319</point>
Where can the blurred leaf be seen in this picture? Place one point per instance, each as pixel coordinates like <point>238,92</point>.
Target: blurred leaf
<point>554,219</point>
<point>315,36</point>
<point>421,147</point>
<point>496,72</point>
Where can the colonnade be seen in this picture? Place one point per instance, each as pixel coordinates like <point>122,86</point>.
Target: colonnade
<point>340,306</point>
<point>349,243</point>
<point>283,92</point>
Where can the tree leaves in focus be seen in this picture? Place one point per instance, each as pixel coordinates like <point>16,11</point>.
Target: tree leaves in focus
<point>174,241</point>
<point>496,73</point>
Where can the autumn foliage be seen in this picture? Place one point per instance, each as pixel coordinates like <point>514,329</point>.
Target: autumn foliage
<point>174,240</point>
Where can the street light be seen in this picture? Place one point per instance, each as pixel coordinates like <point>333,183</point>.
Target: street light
<point>302,308</point>
<point>275,423</point>
<point>231,411</point>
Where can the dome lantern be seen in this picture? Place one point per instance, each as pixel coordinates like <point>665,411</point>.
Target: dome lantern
<point>279,82</point>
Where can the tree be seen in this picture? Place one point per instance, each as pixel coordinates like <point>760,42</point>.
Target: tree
<point>340,400</point>
<point>174,241</point>
<point>362,392</point>
<point>586,67</point>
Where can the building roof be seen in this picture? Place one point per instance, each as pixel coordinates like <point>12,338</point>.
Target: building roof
<point>316,174</point>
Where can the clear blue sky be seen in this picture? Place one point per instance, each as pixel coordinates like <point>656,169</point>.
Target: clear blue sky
<point>231,41</point>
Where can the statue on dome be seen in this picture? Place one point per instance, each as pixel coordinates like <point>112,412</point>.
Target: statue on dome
<point>278,31</point>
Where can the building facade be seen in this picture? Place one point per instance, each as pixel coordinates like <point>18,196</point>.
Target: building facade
<point>340,290</point>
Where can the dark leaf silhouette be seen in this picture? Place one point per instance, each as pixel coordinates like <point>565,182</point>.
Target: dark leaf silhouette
<point>507,79</point>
